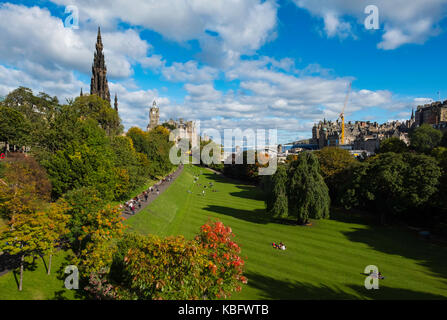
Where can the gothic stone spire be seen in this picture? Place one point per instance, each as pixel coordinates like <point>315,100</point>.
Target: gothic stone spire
<point>99,84</point>
<point>116,102</point>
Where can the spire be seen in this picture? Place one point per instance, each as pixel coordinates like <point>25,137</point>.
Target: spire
<point>81,93</point>
<point>412,113</point>
<point>99,84</point>
<point>116,103</point>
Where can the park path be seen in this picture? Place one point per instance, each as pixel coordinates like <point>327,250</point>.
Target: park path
<point>153,195</point>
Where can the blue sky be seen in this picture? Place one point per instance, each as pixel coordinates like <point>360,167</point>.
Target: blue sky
<point>234,63</point>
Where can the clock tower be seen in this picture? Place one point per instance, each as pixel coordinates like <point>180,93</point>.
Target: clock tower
<point>154,116</point>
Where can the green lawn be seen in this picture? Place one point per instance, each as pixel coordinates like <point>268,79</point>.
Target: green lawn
<point>324,261</point>
<point>37,285</point>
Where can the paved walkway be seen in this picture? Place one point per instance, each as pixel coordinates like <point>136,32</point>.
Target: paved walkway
<point>153,195</point>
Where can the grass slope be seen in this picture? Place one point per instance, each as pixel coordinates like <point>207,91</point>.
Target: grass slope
<point>324,261</point>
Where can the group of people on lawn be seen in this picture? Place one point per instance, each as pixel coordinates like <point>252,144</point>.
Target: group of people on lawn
<point>280,246</point>
<point>204,186</point>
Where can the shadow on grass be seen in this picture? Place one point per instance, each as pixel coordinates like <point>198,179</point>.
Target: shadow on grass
<point>255,216</point>
<point>292,290</point>
<point>15,278</point>
<point>44,263</point>
<point>61,275</point>
<point>220,178</point>
<point>248,192</point>
<point>398,241</point>
<point>387,293</point>
<point>352,216</point>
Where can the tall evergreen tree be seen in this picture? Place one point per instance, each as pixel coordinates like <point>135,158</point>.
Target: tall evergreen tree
<point>308,194</point>
<point>278,206</point>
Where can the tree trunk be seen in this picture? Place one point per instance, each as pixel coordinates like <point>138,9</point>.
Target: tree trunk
<point>21,272</point>
<point>382,218</point>
<point>49,264</point>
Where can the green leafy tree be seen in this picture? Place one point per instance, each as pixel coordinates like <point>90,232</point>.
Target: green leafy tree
<point>333,160</point>
<point>85,161</point>
<point>276,200</point>
<point>25,236</point>
<point>38,112</point>
<point>308,194</point>
<point>425,138</point>
<point>156,146</point>
<point>14,129</point>
<point>82,202</point>
<point>24,186</point>
<point>392,184</point>
<point>98,232</point>
<point>393,144</point>
<point>94,107</point>
<point>444,140</point>
<point>55,228</point>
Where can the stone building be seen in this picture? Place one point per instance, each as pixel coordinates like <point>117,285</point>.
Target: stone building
<point>360,135</point>
<point>186,130</point>
<point>434,114</point>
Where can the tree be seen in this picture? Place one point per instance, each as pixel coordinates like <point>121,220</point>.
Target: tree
<point>444,140</point>
<point>82,203</point>
<point>425,138</point>
<point>148,267</point>
<point>14,128</point>
<point>55,228</point>
<point>393,184</point>
<point>99,229</point>
<point>38,112</point>
<point>333,160</point>
<point>94,107</point>
<point>276,199</point>
<point>393,144</point>
<point>156,146</point>
<point>308,194</point>
<point>87,160</point>
<point>24,187</point>
<point>25,236</point>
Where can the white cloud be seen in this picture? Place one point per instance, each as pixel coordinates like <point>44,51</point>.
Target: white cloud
<point>189,72</point>
<point>335,27</point>
<point>238,26</point>
<point>402,21</point>
<point>33,38</point>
